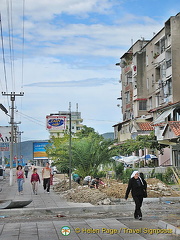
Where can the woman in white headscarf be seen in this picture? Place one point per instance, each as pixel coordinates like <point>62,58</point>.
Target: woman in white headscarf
<point>136,185</point>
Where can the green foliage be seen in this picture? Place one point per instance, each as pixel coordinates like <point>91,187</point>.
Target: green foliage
<point>86,132</point>
<point>141,142</point>
<point>159,176</point>
<point>88,153</point>
<point>101,174</point>
<point>119,169</point>
<point>127,174</point>
<point>168,176</point>
<point>58,151</point>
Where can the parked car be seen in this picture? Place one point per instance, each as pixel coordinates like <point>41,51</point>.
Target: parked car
<point>54,169</point>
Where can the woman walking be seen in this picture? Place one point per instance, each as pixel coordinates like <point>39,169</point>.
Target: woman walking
<point>34,180</point>
<point>20,179</point>
<point>138,187</point>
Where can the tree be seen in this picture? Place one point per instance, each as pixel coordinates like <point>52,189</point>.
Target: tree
<point>141,142</point>
<point>88,153</point>
<point>58,150</point>
<point>86,131</point>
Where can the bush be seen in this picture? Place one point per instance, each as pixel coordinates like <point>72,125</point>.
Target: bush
<point>168,176</point>
<point>101,174</point>
<point>126,175</point>
<point>119,169</point>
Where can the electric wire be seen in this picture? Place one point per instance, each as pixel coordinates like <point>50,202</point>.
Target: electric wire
<point>10,29</point>
<point>31,119</point>
<point>3,56</point>
<point>22,63</point>
<point>22,60</point>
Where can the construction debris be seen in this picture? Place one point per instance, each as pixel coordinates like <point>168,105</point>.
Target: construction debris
<point>113,191</point>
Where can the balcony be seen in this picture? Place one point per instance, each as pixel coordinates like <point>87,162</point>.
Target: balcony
<point>168,63</point>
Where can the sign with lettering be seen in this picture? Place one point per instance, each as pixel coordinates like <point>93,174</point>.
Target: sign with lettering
<point>56,122</point>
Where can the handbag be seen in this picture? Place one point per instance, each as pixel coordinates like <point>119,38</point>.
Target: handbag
<point>144,193</point>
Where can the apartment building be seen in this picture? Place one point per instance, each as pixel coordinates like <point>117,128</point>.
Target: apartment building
<point>150,78</point>
<point>59,123</point>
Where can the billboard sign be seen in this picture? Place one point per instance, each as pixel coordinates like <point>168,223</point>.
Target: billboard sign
<point>5,134</point>
<point>5,138</point>
<point>39,151</point>
<point>56,122</point>
<point>4,146</point>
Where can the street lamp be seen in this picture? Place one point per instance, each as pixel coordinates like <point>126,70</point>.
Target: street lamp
<point>4,109</point>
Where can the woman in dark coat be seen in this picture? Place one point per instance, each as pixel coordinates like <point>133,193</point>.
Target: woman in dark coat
<point>137,186</point>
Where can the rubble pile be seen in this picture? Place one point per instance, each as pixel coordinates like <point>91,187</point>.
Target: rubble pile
<point>156,188</point>
<point>113,190</point>
<point>85,194</point>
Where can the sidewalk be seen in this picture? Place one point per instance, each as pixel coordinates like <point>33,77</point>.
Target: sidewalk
<point>39,219</point>
<point>41,201</point>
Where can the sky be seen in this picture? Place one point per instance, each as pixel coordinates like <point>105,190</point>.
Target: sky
<point>61,51</point>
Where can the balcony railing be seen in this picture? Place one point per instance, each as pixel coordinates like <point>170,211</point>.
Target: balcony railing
<point>168,63</point>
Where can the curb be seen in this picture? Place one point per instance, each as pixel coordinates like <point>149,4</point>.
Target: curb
<point>165,225</point>
<point>67,210</point>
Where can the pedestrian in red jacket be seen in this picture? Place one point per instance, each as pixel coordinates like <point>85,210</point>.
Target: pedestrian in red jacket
<point>34,180</point>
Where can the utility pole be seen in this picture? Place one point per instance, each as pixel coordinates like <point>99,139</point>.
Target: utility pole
<point>12,97</point>
<point>70,147</point>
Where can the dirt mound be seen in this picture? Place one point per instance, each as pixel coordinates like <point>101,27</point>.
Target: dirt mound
<point>85,194</point>
<point>113,190</point>
<point>63,185</point>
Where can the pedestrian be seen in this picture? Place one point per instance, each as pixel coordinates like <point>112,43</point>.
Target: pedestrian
<point>26,170</point>
<point>87,180</point>
<point>34,180</point>
<point>20,179</point>
<point>137,186</point>
<point>74,176</point>
<point>102,183</point>
<point>32,167</point>
<point>94,183</point>
<point>78,179</point>
<point>46,174</point>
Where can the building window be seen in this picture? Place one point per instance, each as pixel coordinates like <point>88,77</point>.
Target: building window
<point>143,105</point>
<point>127,97</point>
<point>162,45</point>
<point>168,63</point>
<point>129,78</point>
<point>169,85</point>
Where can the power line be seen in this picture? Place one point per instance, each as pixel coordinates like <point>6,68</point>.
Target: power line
<point>4,62</point>
<point>41,123</point>
<point>10,28</point>
<point>23,15</point>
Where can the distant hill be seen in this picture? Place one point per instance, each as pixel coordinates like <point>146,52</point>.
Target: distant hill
<point>108,135</point>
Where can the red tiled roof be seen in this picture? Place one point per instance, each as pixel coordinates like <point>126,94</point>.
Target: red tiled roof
<point>158,124</point>
<point>163,107</point>
<point>145,126</point>
<point>175,127</point>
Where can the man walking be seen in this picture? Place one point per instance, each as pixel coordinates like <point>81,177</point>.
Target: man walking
<point>46,174</point>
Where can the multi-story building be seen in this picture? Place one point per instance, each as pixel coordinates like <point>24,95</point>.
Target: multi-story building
<point>58,130</point>
<point>150,78</point>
